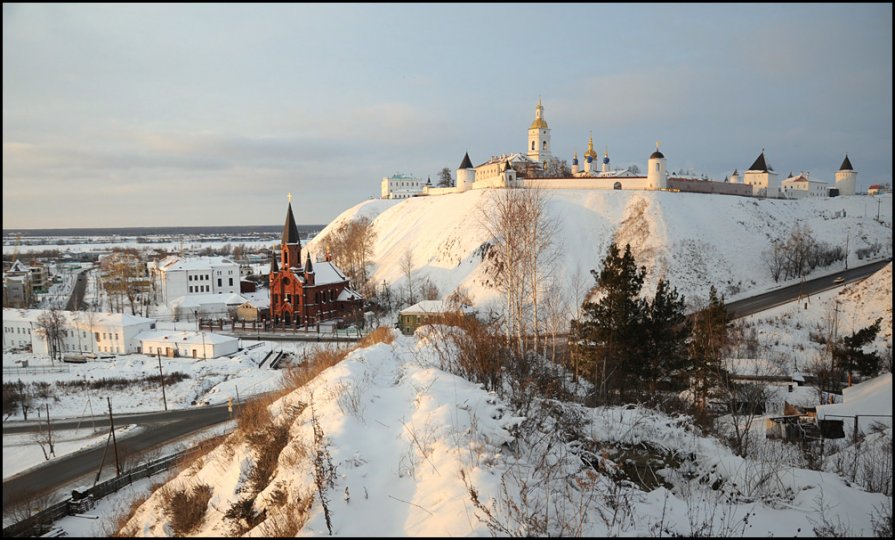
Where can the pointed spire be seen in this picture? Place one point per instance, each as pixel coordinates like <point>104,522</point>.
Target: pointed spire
<point>273,263</point>
<point>290,231</point>
<point>846,165</point>
<point>759,164</point>
<point>466,163</point>
<point>309,268</point>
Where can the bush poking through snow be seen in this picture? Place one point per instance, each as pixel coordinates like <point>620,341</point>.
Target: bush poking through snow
<point>186,507</point>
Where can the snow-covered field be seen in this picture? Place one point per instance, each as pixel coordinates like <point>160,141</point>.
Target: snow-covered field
<point>693,240</point>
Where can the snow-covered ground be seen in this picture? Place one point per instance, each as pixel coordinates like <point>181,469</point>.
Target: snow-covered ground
<point>412,448</point>
<point>693,240</point>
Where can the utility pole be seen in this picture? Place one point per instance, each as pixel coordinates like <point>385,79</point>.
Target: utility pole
<point>50,433</point>
<point>237,398</point>
<point>878,201</point>
<point>846,248</point>
<point>24,399</point>
<point>114,441</point>
<point>162,376</point>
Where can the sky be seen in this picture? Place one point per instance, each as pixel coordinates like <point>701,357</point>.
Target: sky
<point>210,114</point>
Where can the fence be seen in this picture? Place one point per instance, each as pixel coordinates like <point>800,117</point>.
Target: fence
<point>40,522</point>
<point>34,370</point>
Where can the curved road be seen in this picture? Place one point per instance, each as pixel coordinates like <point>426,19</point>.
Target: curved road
<point>748,306</point>
<point>159,428</point>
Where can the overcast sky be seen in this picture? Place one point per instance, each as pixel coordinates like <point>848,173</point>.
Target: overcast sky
<point>168,115</point>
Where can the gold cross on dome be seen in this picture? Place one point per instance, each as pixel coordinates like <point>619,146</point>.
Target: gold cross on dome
<point>657,144</point>
<point>290,196</point>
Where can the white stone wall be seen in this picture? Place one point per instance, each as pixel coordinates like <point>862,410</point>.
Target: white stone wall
<point>845,181</point>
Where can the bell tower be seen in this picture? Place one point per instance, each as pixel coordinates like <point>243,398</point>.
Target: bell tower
<point>539,137</point>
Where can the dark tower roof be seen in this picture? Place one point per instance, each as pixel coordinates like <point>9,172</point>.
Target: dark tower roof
<point>309,268</point>
<point>760,164</point>
<point>466,163</point>
<point>290,231</point>
<point>273,263</point>
<point>657,155</point>
<point>846,165</point>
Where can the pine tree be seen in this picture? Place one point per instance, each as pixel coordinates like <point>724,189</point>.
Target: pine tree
<point>610,332</point>
<point>848,353</point>
<point>708,340</point>
<point>444,178</point>
<point>664,337</point>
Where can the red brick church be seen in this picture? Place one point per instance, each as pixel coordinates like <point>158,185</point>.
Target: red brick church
<point>306,295</point>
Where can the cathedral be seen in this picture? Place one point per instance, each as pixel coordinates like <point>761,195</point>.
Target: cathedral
<point>305,295</point>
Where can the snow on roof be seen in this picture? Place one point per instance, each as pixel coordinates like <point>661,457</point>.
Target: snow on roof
<point>326,273</point>
<point>258,299</point>
<point>78,317</point>
<point>347,294</point>
<point>512,158</point>
<point>869,397</point>
<point>196,300</point>
<point>801,396</point>
<point>19,266</point>
<point>194,263</point>
<point>432,306</point>
<point>193,338</point>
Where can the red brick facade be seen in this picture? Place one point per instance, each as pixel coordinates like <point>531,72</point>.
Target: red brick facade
<point>305,295</point>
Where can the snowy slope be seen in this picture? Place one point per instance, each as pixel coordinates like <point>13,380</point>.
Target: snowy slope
<point>407,440</point>
<point>692,239</point>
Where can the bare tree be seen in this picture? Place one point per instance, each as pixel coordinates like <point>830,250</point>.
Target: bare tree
<point>406,263</point>
<point>51,327</point>
<point>351,245</point>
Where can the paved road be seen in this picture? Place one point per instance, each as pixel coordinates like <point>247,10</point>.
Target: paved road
<point>748,306</point>
<point>77,293</point>
<point>159,428</point>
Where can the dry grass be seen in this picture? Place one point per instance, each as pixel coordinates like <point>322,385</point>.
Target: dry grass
<point>289,519</point>
<point>380,335</point>
<point>186,507</point>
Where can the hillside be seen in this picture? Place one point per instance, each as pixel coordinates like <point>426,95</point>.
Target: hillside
<point>694,240</point>
<point>398,447</point>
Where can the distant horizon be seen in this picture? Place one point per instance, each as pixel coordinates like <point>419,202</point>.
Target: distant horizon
<point>145,229</point>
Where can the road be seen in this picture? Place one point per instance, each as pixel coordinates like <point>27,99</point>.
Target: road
<point>748,306</point>
<point>77,293</point>
<point>159,428</point>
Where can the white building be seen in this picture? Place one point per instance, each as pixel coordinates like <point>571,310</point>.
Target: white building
<point>209,306</point>
<point>846,178</point>
<point>762,178</point>
<point>178,277</point>
<point>539,149</point>
<point>187,344</point>
<point>82,331</point>
<point>801,187</point>
<point>401,186</point>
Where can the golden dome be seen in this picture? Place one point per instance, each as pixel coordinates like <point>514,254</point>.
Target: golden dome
<point>539,123</point>
<point>590,148</point>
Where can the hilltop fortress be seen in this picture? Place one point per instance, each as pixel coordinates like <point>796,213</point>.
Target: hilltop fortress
<point>539,168</point>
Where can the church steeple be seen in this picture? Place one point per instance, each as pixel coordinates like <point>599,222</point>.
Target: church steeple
<point>290,249</point>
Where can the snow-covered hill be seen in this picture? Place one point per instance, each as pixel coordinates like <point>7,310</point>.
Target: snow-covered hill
<point>398,447</point>
<point>694,240</point>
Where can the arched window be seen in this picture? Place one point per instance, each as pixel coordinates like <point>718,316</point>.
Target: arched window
<point>532,145</point>
<point>657,166</point>
<point>545,145</point>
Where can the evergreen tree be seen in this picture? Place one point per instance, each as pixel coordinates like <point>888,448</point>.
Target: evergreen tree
<point>848,353</point>
<point>444,178</point>
<point>664,337</point>
<point>610,332</point>
<point>708,340</point>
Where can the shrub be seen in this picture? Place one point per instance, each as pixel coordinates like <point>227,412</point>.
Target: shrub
<point>185,508</point>
<point>380,335</point>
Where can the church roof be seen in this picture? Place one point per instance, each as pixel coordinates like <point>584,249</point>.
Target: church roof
<point>657,155</point>
<point>539,123</point>
<point>309,268</point>
<point>846,165</point>
<point>466,163</point>
<point>760,164</point>
<point>273,263</point>
<point>290,231</point>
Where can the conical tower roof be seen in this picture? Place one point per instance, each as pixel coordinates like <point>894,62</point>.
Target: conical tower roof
<point>846,165</point>
<point>290,231</point>
<point>466,163</point>
<point>760,164</point>
<point>309,268</point>
<point>273,263</point>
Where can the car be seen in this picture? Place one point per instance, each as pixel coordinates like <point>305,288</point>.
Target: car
<point>840,279</point>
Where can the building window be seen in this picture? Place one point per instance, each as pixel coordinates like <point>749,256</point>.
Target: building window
<point>532,145</point>
<point>219,282</point>
<point>231,282</point>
